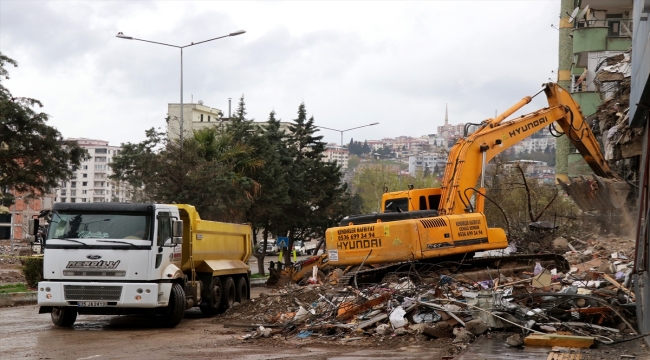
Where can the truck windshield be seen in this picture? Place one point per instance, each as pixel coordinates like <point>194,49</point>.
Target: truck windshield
<point>100,226</point>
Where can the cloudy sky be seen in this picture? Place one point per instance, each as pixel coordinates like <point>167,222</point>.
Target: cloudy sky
<point>351,63</point>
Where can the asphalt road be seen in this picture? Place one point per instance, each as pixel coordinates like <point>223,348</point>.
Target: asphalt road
<point>25,334</point>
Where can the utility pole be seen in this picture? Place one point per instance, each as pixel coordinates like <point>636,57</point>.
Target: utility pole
<point>565,58</point>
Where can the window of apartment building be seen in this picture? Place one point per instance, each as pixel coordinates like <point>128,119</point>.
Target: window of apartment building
<point>83,192</point>
<point>63,199</point>
<point>84,175</point>
<point>64,184</point>
<point>85,167</point>
<point>73,184</point>
<point>100,158</point>
<point>5,226</point>
<point>73,192</point>
<point>201,117</point>
<point>100,167</point>
<point>83,199</point>
<point>85,183</point>
<point>74,176</point>
<point>63,192</point>
<point>73,200</point>
<point>100,151</point>
<point>99,184</point>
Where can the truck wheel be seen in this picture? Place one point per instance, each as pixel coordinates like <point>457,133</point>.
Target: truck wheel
<point>64,316</point>
<point>211,302</point>
<point>176,307</point>
<point>228,296</point>
<point>242,289</point>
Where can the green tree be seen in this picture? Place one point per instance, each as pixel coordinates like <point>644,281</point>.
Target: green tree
<point>208,173</point>
<point>318,196</point>
<point>267,210</point>
<point>33,155</point>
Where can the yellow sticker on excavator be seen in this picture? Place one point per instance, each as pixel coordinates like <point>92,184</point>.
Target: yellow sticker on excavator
<point>386,230</point>
<point>397,241</point>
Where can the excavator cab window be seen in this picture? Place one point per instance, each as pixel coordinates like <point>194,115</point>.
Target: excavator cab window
<point>434,202</point>
<point>423,203</point>
<point>396,205</point>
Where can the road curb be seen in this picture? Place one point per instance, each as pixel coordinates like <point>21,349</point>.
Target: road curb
<point>258,282</point>
<point>18,299</point>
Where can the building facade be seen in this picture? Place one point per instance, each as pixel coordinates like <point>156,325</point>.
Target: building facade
<point>638,118</point>
<point>338,154</point>
<point>432,162</point>
<point>90,182</point>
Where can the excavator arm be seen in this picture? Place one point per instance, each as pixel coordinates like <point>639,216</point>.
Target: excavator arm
<point>467,159</point>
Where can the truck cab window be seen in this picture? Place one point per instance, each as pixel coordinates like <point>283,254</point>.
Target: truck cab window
<point>164,228</point>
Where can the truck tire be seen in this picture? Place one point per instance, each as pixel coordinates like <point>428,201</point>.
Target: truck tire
<point>242,289</point>
<point>229,294</point>
<point>176,308</point>
<point>211,302</point>
<point>64,316</point>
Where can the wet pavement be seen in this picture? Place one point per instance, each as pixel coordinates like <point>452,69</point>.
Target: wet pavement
<point>25,334</point>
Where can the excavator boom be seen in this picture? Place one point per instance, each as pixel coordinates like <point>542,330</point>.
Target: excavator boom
<point>467,159</point>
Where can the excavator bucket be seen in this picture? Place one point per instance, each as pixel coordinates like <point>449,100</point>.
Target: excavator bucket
<point>596,193</point>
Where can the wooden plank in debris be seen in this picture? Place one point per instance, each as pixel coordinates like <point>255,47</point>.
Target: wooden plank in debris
<point>559,340</point>
<point>374,320</point>
<point>615,283</point>
<point>350,311</point>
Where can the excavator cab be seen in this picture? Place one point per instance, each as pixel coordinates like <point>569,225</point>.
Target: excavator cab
<point>411,200</point>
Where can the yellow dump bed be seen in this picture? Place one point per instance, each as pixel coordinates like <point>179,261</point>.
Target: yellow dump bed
<point>215,247</point>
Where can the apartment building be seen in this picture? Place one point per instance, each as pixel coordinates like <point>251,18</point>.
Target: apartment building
<point>419,163</point>
<point>338,154</point>
<point>90,182</point>
<point>199,116</point>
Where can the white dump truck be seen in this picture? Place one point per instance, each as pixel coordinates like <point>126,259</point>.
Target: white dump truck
<point>119,259</point>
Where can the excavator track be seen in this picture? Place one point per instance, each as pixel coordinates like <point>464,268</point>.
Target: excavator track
<point>457,265</point>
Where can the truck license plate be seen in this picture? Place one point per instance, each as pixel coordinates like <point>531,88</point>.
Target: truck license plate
<point>91,303</point>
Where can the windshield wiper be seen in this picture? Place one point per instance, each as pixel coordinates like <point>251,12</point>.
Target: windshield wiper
<point>77,241</point>
<point>118,242</point>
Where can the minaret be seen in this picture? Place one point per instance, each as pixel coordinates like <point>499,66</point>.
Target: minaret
<point>446,116</point>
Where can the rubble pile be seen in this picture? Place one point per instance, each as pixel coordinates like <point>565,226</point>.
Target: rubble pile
<point>592,302</point>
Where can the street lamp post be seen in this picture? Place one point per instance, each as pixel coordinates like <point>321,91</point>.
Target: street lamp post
<point>122,36</point>
<point>342,131</point>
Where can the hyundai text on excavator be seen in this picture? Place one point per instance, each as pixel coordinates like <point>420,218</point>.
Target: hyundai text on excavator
<point>448,222</point>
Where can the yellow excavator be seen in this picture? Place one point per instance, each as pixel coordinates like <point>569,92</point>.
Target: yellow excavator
<point>425,224</point>
<point>448,222</point>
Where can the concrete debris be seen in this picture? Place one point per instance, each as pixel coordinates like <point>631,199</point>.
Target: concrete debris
<point>515,340</point>
<point>590,300</point>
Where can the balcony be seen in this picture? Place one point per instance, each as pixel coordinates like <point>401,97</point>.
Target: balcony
<point>603,35</point>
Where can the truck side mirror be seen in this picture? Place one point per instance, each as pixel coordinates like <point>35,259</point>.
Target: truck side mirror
<point>177,232</point>
<point>177,228</point>
<point>33,226</point>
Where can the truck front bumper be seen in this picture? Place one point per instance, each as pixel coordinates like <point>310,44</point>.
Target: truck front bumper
<point>96,294</point>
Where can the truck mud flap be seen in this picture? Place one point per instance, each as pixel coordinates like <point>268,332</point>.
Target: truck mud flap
<point>596,193</point>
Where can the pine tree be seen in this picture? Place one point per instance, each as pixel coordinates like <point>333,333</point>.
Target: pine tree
<point>266,213</point>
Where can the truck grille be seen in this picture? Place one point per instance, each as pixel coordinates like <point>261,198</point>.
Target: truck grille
<point>89,292</point>
<point>118,273</point>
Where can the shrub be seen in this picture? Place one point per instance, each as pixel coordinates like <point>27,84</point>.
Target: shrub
<point>33,270</point>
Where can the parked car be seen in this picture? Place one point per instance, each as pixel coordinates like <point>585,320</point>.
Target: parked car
<point>271,247</point>
<point>304,248</point>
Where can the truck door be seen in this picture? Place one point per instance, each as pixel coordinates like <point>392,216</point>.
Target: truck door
<point>165,255</point>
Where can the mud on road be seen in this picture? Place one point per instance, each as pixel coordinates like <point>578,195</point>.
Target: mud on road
<point>25,334</point>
